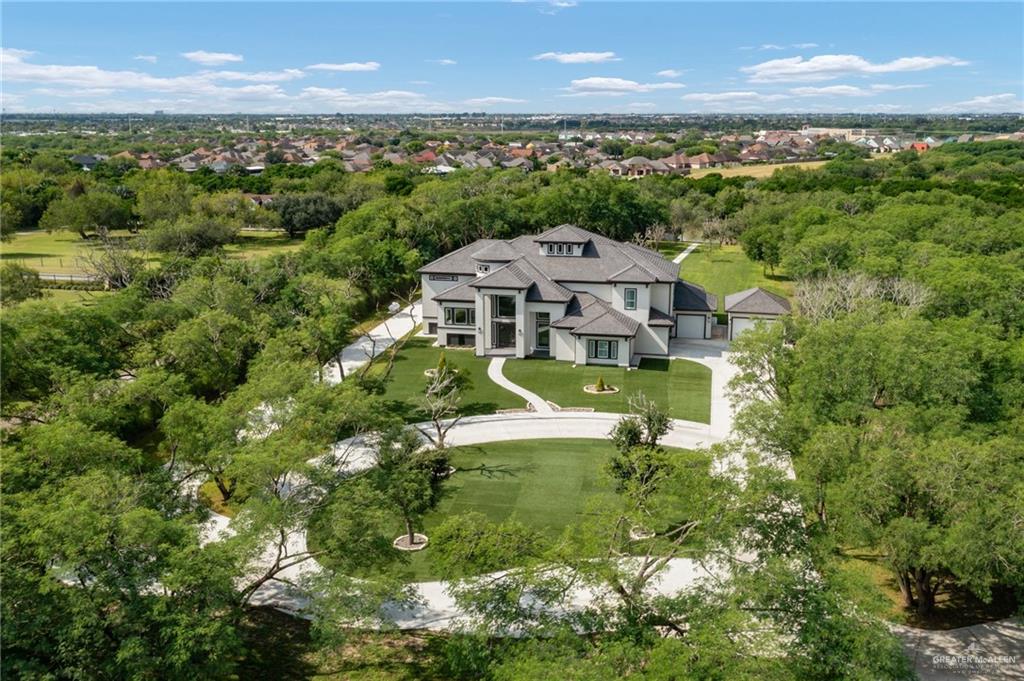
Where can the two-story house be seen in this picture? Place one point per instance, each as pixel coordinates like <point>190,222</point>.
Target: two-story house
<point>567,293</point>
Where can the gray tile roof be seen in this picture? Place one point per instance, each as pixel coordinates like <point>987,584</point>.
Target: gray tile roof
<point>591,316</point>
<point>459,293</point>
<point>566,234</point>
<point>602,259</point>
<point>497,251</point>
<point>659,318</point>
<point>756,301</point>
<point>691,297</point>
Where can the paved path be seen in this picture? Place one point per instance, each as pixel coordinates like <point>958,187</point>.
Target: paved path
<point>993,651</point>
<point>434,608</point>
<point>368,346</point>
<point>494,372</point>
<point>689,249</point>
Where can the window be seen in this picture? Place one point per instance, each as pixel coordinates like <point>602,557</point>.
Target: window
<point>561,249</point>
<point>543,329</point>
<point>459,316</point>
<point>443,277</point>
<point>551,249</point>
<point>504,306</point>
<point>483,269</point>
<point>629,298</point>
<point>602,349</point>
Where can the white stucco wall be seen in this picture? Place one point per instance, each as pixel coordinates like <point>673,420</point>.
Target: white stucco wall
<point>431,289</point>
<point>563,345</point>
<point>556,310</point>
<point>625,351</point>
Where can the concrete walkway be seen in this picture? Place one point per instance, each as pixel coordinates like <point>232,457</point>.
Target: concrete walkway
<point>494,372</point>
<point>433,607</point>
<point>379,339</point>
<point>689,249</point>
<point>993,651</point>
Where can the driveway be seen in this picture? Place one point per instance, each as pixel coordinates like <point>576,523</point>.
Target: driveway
<point>991,652</point>
<point>368,346</point>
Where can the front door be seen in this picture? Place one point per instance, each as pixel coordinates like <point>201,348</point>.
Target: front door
<point>503,334</point>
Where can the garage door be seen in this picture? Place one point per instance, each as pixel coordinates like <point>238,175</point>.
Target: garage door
<point>741,324</point>
<point>689,326</point>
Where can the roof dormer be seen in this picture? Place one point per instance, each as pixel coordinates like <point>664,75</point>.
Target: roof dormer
<point>564,240</point>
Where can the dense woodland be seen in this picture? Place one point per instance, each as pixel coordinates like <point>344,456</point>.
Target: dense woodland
<point>896,393</point>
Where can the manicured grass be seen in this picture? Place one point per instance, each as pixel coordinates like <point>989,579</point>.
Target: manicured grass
<point>404,393</point>
<point>680,386</point>
<point>727,269</point>
<point>62,252</point>
<point>545,484</point>
<point>758,171</point>
<point>254,244</point>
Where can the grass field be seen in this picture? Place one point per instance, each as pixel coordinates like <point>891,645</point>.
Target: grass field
<point>545,484</point>
<point>757,171</point>
<point>62,252</point>
<point>85,298</point>
<point>726,269</point>
<point>680,386</point>
<point>404,393</point>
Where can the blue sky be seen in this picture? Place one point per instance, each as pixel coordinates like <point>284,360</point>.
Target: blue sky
<point>551,56</point>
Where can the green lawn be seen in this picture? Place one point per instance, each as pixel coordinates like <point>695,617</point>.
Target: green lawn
<point>680,386</point>
<point>726,269</point>
<point>62,252</point>
<point>74,297</point>
<point>404,392</point>
<point>545,484</point>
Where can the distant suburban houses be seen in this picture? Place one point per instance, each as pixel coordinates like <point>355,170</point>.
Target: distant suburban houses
<point>573,149</point>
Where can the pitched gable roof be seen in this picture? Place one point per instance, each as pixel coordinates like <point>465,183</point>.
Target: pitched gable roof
<point>566,234</point>
<point>588,315</point>
<point>756,301</point>
<point>688,296</point>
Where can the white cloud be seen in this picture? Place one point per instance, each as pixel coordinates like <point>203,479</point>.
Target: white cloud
<point>882,87</point>
<point>87,78</point>
<point>211,58</point>
<point>347,66</point>
<point>254,77</point>
<point>775,46</point>
<point>640,106</point>
<point>831,91</point>
<point>490,101</point>
<point>14,55</point>
<point>1002,103</point>
<point>771,46</point>
<point>145,57</point>
<point>614,87</point>
<point>321,99</point>
<point>732,97</point>
<point>78,92</point>
<point>556,6</point>
<point>420,82</point>
<point>805,46</point>
<point>670,73</point>
<point>443,62</point>
<point>832,66</point>
<point>577,57</point>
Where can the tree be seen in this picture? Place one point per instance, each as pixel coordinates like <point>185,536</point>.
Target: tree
<point>303,212</point>
<point>405,475</point>
<point>95,211</point>
<point>190,236</point>
<point>441,399</point>
<point>210,350</point>
<point>18,283</point>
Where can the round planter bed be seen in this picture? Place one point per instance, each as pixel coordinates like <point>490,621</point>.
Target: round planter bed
<point>402,543</point>
<point>592,390</point>
<point>430,373</point>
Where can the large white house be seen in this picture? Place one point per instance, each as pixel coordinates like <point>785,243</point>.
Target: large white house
<point>567,293</point>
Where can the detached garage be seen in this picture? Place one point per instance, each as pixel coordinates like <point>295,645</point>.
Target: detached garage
<point>746,308</point>
<point>694,310</point>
